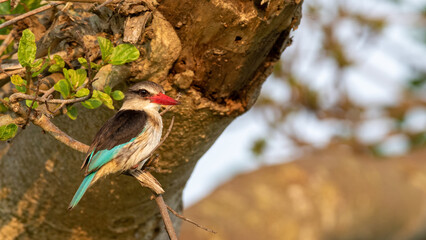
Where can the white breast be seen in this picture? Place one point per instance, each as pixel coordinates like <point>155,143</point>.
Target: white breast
<point>137,151</point>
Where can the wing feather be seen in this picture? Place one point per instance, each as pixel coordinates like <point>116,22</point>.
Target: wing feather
<point>119,130</point>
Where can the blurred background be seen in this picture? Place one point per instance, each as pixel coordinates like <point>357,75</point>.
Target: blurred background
<point>351,86</point>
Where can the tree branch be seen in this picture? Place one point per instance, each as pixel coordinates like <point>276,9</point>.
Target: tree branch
<point>53,130</point>
<point>189,220</point>
<point>165,215</point>
<point>6,119</point>
<point>147,180</point>
<point>16,97</point>
<point>30,13</point>
<point>7,41</point>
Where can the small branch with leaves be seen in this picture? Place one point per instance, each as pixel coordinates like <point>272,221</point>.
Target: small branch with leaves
<point>75,87</point>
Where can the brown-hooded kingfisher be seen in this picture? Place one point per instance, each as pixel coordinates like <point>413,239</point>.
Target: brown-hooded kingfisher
<point>127,139</point>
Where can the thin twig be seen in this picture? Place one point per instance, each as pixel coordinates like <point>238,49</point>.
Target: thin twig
<point>165,215</point>
<point>22,96</point>
<point>9,73</point>
<point>31,107</point>
<point>48,92</point>
<point>54,111</point>
<point>30,13</point>
<point>149,181</point>
<point>189,220</point>
<point>7,41</point>
<point>103,4</point>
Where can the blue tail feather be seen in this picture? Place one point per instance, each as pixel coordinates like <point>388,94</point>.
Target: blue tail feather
<point>81,190</point>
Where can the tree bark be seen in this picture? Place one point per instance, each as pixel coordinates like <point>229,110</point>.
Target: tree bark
<point>216,53</point>
<point>330,194</point>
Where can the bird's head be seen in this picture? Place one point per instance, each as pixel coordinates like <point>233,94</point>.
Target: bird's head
<point>146,95</point>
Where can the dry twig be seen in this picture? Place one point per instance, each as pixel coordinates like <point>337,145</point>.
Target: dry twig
<point>190,221</point>
<point>165,215</point>
<point>57,133</point>
<point>30,13</point>
<point>103,4</point>
<point>31,106</point>
<point>16,97</point>
<point>149,181</point>
<point>7,41</point>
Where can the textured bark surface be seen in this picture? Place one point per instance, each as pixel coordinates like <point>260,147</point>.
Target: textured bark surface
<point>333,194</point>
<point>216,53</point>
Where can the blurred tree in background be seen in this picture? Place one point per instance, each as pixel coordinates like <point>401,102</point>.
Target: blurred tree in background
<point>357,74</point>
<point>350,91</point>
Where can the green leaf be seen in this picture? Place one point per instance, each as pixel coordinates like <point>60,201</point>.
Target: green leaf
<point>8,131</point>
<point>45,65</point>
<point>72,112</point>
<point>76,77</point>
<point>106,48</point>
<point>83,62</point>
<point>63,87</point>
<point>27,48</point>
<point>92,103</point>
<point>36,64</point>
<point>22,89</point>
<point>124,53</point>
<point>105,98</point>
<point>3,108</point>
<point>17,80</point>
<point>117,95</point>
<point>19,83</point>
<point>28,103</point>
<point>82,92</point>
<point>58,65</point>
<point>107,90</point>
<point>66,74</point>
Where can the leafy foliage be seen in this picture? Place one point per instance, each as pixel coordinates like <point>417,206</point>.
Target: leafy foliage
<point>119,55</point>
<point>29,102</point>
<point>8,131</point>
<point>74,84</point>
<point>117,95</point>
<point>323,92</point>
<point>124,53</point>
<point>58,64</point>
<point>27,49</point>
<point>63,87</point>
<point>19,83</point>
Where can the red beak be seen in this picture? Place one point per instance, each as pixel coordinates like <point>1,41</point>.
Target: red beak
<point>163,99</point>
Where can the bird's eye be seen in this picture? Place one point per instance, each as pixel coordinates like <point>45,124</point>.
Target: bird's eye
<point>143,93</point>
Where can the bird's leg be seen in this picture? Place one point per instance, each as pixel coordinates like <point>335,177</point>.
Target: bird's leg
<point>151,162</point>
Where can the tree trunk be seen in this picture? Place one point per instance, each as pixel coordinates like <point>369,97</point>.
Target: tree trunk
<point>330,194</point>
<point>216,53</point>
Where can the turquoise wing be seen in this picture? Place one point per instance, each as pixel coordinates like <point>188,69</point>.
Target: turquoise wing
<point>104,156</point>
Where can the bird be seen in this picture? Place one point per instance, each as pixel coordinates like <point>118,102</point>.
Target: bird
<point>127,139</point>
